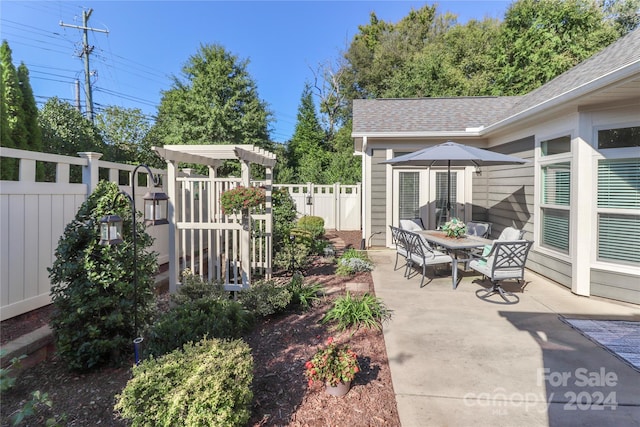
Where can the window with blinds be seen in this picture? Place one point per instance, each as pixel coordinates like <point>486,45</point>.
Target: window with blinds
<point>556,201</point>
<point>409,197</point>
<point>619,210</point>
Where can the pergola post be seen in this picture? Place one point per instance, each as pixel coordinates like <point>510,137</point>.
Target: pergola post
<point>245,232</point>
<point>174,250</point>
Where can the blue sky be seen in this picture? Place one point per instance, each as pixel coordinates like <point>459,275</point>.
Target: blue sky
<point>149,41</point>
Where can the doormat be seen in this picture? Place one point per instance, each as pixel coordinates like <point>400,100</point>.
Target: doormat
<point>620,337</point>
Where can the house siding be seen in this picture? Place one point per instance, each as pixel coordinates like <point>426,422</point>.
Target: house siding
<point>506,193</point>
<point>618,286</point>
<point>378,199</point>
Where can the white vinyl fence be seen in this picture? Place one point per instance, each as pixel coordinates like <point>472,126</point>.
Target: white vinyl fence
<point>33,216</point>
<point>339,205</point>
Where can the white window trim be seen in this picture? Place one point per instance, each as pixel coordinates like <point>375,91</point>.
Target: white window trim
<point>610,154</point>
<point>542,161</point>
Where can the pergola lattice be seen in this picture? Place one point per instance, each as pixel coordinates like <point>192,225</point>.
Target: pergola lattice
<point>201,238</point>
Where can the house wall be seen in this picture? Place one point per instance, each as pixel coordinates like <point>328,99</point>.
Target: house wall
<point>378,219</point>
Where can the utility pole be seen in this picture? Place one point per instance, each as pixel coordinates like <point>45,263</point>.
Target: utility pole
<point>78,96</point>
<point>86,51</point>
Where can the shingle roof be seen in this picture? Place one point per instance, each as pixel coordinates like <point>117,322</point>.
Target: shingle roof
<point>434,114</point>
<point>622,52</point>
<point>457,114</point>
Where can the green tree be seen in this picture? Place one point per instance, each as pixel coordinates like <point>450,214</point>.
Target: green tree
<point>623,13</point>
<point>13,110</point>
<point>541,39</point>
<point>457,62</point>
<point>125,133</point>
<point>30,111</point>
<point>343,166</point>
<point>306,150</point>
<point>381,50</point>
<point>214,101</point>
<point>65,131</point>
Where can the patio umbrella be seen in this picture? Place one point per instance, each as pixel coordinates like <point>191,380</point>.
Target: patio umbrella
<point>453,154</point>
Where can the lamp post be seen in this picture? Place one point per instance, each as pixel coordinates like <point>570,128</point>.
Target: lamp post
<point>155,213</point>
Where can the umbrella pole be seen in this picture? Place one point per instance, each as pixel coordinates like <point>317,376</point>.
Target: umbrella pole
<point>448,190</point>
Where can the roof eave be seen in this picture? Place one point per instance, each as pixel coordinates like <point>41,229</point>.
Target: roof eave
<point>476,132</point>
<point>566,97</point>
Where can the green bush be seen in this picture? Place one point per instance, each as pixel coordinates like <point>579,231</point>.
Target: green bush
<point>349,311</point>
<point>303,294</point>
<point>312,224</point>
<point>299,252</point>
<point>194,287</point>
<point>265,298</point>
<point>93,288</point>
<point>353,261</point>
<point>204,384</point>
<point>195,319</point>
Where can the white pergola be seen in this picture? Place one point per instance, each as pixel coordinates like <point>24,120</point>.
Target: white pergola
<point>198,230</point>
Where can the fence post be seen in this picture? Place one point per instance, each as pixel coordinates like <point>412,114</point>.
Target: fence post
<point>90,171</point>
<point>336,205</point>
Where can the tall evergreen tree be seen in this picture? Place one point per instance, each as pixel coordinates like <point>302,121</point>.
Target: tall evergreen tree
<point>30,110</point>
<point>214,101</point>
<point>306,152</point>
<point>13,98</point>
<point>5,135</point>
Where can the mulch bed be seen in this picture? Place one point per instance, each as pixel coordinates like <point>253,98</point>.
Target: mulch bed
<point>280,347</point>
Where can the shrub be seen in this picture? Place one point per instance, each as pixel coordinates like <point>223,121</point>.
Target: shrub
<point>353,261</point>
<point>206,383</point>
<point>195,319</point>
<point>284,217</point>
<point>367,311</point>
<point>194,287</point>
<point>265,298</point>
<point>312,224</point>
<point>303,294</point>
<point>298,251</point>
<point>92,285</point>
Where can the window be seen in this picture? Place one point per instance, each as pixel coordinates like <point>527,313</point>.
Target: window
<point>619,138</point>
<point>556,146</point>
<point>409,195</point>
<point>619,210</point>
<point>556,200</point>
<point>442,189</point>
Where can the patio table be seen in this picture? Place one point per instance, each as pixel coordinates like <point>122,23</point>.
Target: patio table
<point>456,247</point>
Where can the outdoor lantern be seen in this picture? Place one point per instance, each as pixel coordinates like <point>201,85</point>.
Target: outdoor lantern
<point>309,199</point>
<point>155,208</point>
<point>110,230</point>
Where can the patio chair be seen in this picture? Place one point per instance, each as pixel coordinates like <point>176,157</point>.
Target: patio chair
<point>504,261</point>
<point>399,239</point>
<point>480,229</point>
<point>511,233</point>
<point>422,254</point>
<point>414,224</point>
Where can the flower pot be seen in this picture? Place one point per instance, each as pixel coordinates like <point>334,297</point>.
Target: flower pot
<point>338,390</point>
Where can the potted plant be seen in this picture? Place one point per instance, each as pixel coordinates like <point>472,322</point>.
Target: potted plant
<point>454,228</point>
<point>241,198</point>
<point>335,366</point>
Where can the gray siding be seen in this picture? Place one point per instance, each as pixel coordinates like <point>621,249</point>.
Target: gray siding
<point>378,199</point>
<point>618,286</point>
<point>503,195</point>
<point>552,268</point>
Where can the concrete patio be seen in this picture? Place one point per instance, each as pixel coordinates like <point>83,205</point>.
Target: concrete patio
<point>457,360</point>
